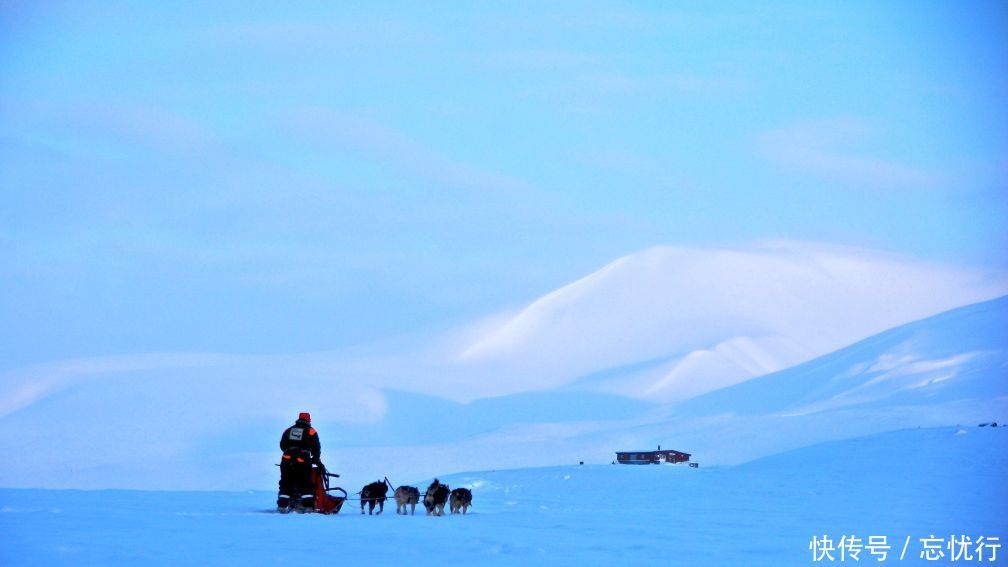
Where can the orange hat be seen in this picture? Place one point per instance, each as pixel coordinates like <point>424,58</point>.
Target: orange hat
<point>305,416</point>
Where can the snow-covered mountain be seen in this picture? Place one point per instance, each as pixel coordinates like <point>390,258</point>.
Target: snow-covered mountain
<point>948,369</point>
<point>573,376</point>
<point>954,356</point>
<point>670,323</point>
<point>661,325</point>
<point>185,427</point>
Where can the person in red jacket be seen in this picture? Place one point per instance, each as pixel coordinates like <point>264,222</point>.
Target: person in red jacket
<point>301,448</point>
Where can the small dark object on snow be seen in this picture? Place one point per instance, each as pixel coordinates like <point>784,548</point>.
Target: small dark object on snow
<point>436,497</point>
<point>372,494</point>
<point>461,500</point>
<point>990,423</point>
<point>694,465</point>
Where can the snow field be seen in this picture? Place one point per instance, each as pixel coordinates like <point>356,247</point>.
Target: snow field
<point>913,483</point>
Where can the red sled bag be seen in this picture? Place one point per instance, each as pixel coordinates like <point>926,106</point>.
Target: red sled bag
<point>326,503</point>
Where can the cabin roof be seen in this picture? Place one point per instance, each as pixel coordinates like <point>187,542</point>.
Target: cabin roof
<point>654,451</point>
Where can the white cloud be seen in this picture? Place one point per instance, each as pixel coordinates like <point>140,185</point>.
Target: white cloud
<point>108,130</point>
<point>685,83</point>
<point>829,148</point>
<point>332,130</point>
<point>319,36</point>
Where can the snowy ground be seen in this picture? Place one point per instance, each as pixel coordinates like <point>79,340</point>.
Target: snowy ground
<point>912,483</point>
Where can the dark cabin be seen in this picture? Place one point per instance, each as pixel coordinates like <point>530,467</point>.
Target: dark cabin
<point>651,457</point>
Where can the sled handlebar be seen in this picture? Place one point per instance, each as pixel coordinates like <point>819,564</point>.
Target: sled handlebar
<point>327,473</point>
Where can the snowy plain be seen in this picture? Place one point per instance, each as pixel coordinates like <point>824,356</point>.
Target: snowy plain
<point>919,484</point>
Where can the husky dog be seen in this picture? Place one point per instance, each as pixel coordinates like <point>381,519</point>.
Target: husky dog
<point>435,498</point>
<point>372,494</point>
<point>406,495</point>
<point>461,500</point>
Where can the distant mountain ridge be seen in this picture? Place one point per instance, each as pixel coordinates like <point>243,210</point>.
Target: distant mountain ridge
<point>951,368</point>
<point>718,316</point>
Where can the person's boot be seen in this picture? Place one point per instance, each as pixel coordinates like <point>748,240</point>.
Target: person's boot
<point>283,504</point>
<point>307,504</point>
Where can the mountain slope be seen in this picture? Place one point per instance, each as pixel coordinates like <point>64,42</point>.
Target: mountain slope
<point>718,316</point>
<point>951,368</point>
<point>957,355</point>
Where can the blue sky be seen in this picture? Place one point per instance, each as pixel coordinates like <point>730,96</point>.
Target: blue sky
<point>270,179</point>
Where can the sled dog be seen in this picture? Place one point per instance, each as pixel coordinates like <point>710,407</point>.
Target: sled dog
<point>435,498</point>
<point>461,499</point>
<point>406,495</point>
<point>372,494</point>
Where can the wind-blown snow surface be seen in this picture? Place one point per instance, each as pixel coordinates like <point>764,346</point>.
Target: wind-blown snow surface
<point>912,483</point>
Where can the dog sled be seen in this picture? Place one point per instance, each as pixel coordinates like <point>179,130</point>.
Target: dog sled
<point>325,501</point>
